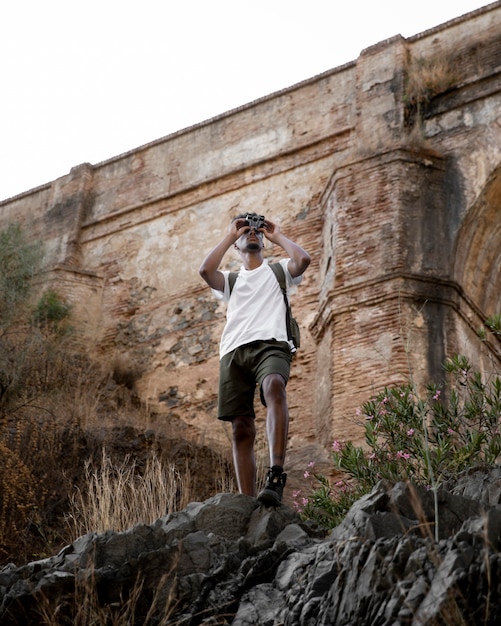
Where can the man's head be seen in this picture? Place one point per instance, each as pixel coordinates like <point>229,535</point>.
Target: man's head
<point>252,239</point>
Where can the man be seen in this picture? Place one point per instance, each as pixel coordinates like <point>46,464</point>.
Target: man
<point>254,346</point>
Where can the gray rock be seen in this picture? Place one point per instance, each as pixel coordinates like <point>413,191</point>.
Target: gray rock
<point>229,560</point>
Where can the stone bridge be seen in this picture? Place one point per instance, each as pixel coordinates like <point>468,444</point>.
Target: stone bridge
<point>387,170</point>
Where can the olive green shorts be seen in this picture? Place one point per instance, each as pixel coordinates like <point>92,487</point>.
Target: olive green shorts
<point>244,368</point>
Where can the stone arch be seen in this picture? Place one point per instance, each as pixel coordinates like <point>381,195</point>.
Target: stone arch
<point>477,261</point>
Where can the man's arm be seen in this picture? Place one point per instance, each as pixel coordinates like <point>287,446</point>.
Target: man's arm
<point>299,258</point>
<point>209,270</point>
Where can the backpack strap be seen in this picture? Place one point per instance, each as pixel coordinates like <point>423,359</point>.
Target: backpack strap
<point>278,270</point>
<point>232,277</point>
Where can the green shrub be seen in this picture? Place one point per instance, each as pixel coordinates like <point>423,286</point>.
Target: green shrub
<point>494,325</point>
<point>426,440</point>
<point>51,311</point>
<point>19,260</point>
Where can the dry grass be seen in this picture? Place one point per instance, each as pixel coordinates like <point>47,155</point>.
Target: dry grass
<point>426,78</point>
<point>224,479</point>
<point>85,608</point>
<point>118,497</point>
<point>59,410</point>
<point>262,458</point>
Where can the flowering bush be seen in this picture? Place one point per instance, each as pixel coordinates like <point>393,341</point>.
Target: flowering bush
<point>424,439</point>
<point>327,504</point>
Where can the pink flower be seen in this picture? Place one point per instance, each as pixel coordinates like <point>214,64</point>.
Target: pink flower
<point>311,464</point>
<point>306,474</point>
<point>336,446</point>
<point>410,432</point>
<point>437,395</point>
<point>403,455</point>
<point>305,501</point>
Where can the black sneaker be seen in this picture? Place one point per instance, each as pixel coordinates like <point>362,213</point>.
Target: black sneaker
<point>271,495</point>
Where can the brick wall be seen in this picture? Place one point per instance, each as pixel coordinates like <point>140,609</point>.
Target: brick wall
<point>398,204</point>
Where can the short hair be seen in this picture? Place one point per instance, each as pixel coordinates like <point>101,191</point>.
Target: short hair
<point>241,216</point>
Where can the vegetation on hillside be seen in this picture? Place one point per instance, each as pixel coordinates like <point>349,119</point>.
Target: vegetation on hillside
<point>426,438</point>
<point>74,441</point>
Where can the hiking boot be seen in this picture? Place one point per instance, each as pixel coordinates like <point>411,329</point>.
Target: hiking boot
<point>271,495</point>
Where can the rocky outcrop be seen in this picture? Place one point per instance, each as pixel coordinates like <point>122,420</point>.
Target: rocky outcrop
<point>230,561</point>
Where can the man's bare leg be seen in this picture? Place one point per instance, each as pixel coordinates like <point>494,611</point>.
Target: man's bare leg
<point>244,460</point>
<point>277,419</point>
<point>277,427</point>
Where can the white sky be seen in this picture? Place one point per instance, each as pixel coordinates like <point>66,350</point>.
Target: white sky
<point>85,81</point>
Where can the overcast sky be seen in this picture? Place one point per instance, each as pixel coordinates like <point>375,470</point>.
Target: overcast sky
<point>85,81</point>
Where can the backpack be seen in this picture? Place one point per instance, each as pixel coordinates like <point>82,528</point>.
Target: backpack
<point>293,333</point>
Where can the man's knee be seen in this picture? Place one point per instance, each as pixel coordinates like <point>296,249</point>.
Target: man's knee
<point>273,387</point>
<point>244,429</point>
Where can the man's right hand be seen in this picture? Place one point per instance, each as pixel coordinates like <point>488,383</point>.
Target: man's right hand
<point>209,269</point>
<point>238,227</point>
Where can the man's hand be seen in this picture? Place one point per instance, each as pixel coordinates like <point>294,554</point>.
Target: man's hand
<point>209,269</point>
<point>299,258</point>
<point>271,231</point>
<point>238,227</point>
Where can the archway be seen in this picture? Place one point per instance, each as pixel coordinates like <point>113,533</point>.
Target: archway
<point>477,261</point>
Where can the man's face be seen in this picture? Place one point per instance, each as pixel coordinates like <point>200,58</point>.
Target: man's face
<point>250,240</point>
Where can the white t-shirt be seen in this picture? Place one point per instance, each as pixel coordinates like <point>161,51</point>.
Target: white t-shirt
<point>256,309</point>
